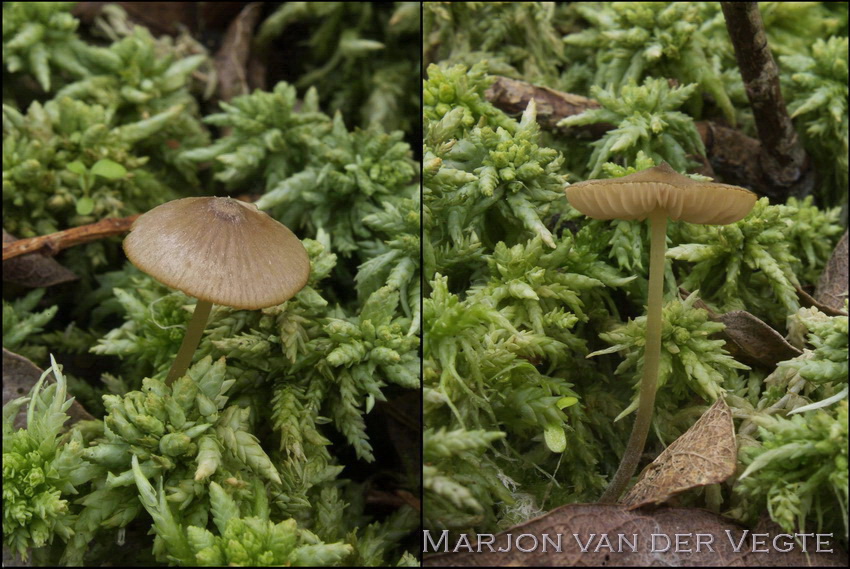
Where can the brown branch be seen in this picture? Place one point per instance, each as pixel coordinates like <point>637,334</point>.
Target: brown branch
<point>55,242</point>
<point>512,96</point>
<point>784,162</point>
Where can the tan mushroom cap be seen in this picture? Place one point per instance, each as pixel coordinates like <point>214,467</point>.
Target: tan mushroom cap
<point>635,196</point>
<point>220,250</point>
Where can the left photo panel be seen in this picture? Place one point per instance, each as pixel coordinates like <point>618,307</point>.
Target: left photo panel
<point>211,284</point>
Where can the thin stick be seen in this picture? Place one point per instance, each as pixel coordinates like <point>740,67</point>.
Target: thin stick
<point>55,242</point>
<point>190,341</point>
<point>784,159</point>
<point>651,359</point>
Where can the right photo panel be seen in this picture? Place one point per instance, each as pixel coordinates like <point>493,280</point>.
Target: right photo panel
<point>634,318</point>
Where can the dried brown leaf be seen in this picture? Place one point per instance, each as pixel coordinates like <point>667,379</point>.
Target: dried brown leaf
<point>807,301</point>
<point>705,454</point>
<point>748,338</point>
<point>19,377</point>
<point>231,60</point>
<point>513,96</point>
<point>752,341</point>
<point>731,545</point>
<point>699,303</point>
<point>34,270</point>
<point>832,286</point>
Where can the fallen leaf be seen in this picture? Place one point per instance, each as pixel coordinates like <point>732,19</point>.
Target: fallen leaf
<point>748,338</point>
<point>705,454</point>
<point>231,60</point>
<point>807,301</point>
<point>832,286</point>
<point>698,303</point>
<point>752,341</point>
<point>603,530</point>
<point>34,270</point>
<point>513,96</point>
<point>19,377</point>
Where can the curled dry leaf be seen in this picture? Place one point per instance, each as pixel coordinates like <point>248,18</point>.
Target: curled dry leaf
<point>595,535</point>
<point>808,301</point>
<point>699,303</point>
<point>832,286</point>
<point>231,60</point>
<point>34,270</point>
<point>19,377</point>
<point>513,97</point>
<point>753,342</point>
<point>748,338</point>
<point>705,454</point>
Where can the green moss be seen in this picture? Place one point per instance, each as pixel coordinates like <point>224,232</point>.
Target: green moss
<point>517,419</point>
<point>267,438</point>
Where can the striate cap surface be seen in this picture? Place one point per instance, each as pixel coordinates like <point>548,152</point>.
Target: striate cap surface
<point>637,195</point>
<point>221,250</point>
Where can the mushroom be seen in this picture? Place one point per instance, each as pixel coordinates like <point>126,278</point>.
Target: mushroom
<point>218,250</point>
<point>656,193</point>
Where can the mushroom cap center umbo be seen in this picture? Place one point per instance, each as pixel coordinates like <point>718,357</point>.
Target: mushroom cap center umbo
<point>220,250</point>
<point>637,195</point>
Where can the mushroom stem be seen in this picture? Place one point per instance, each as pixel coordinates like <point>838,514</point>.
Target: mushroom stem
<point>651,358</point>
<point>190,341</point>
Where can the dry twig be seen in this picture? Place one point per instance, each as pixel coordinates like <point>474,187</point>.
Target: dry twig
<point>785,164</point>
<point>55,242</point>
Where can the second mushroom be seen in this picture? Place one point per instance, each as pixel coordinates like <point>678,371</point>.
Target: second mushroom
<point>657,193</point>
